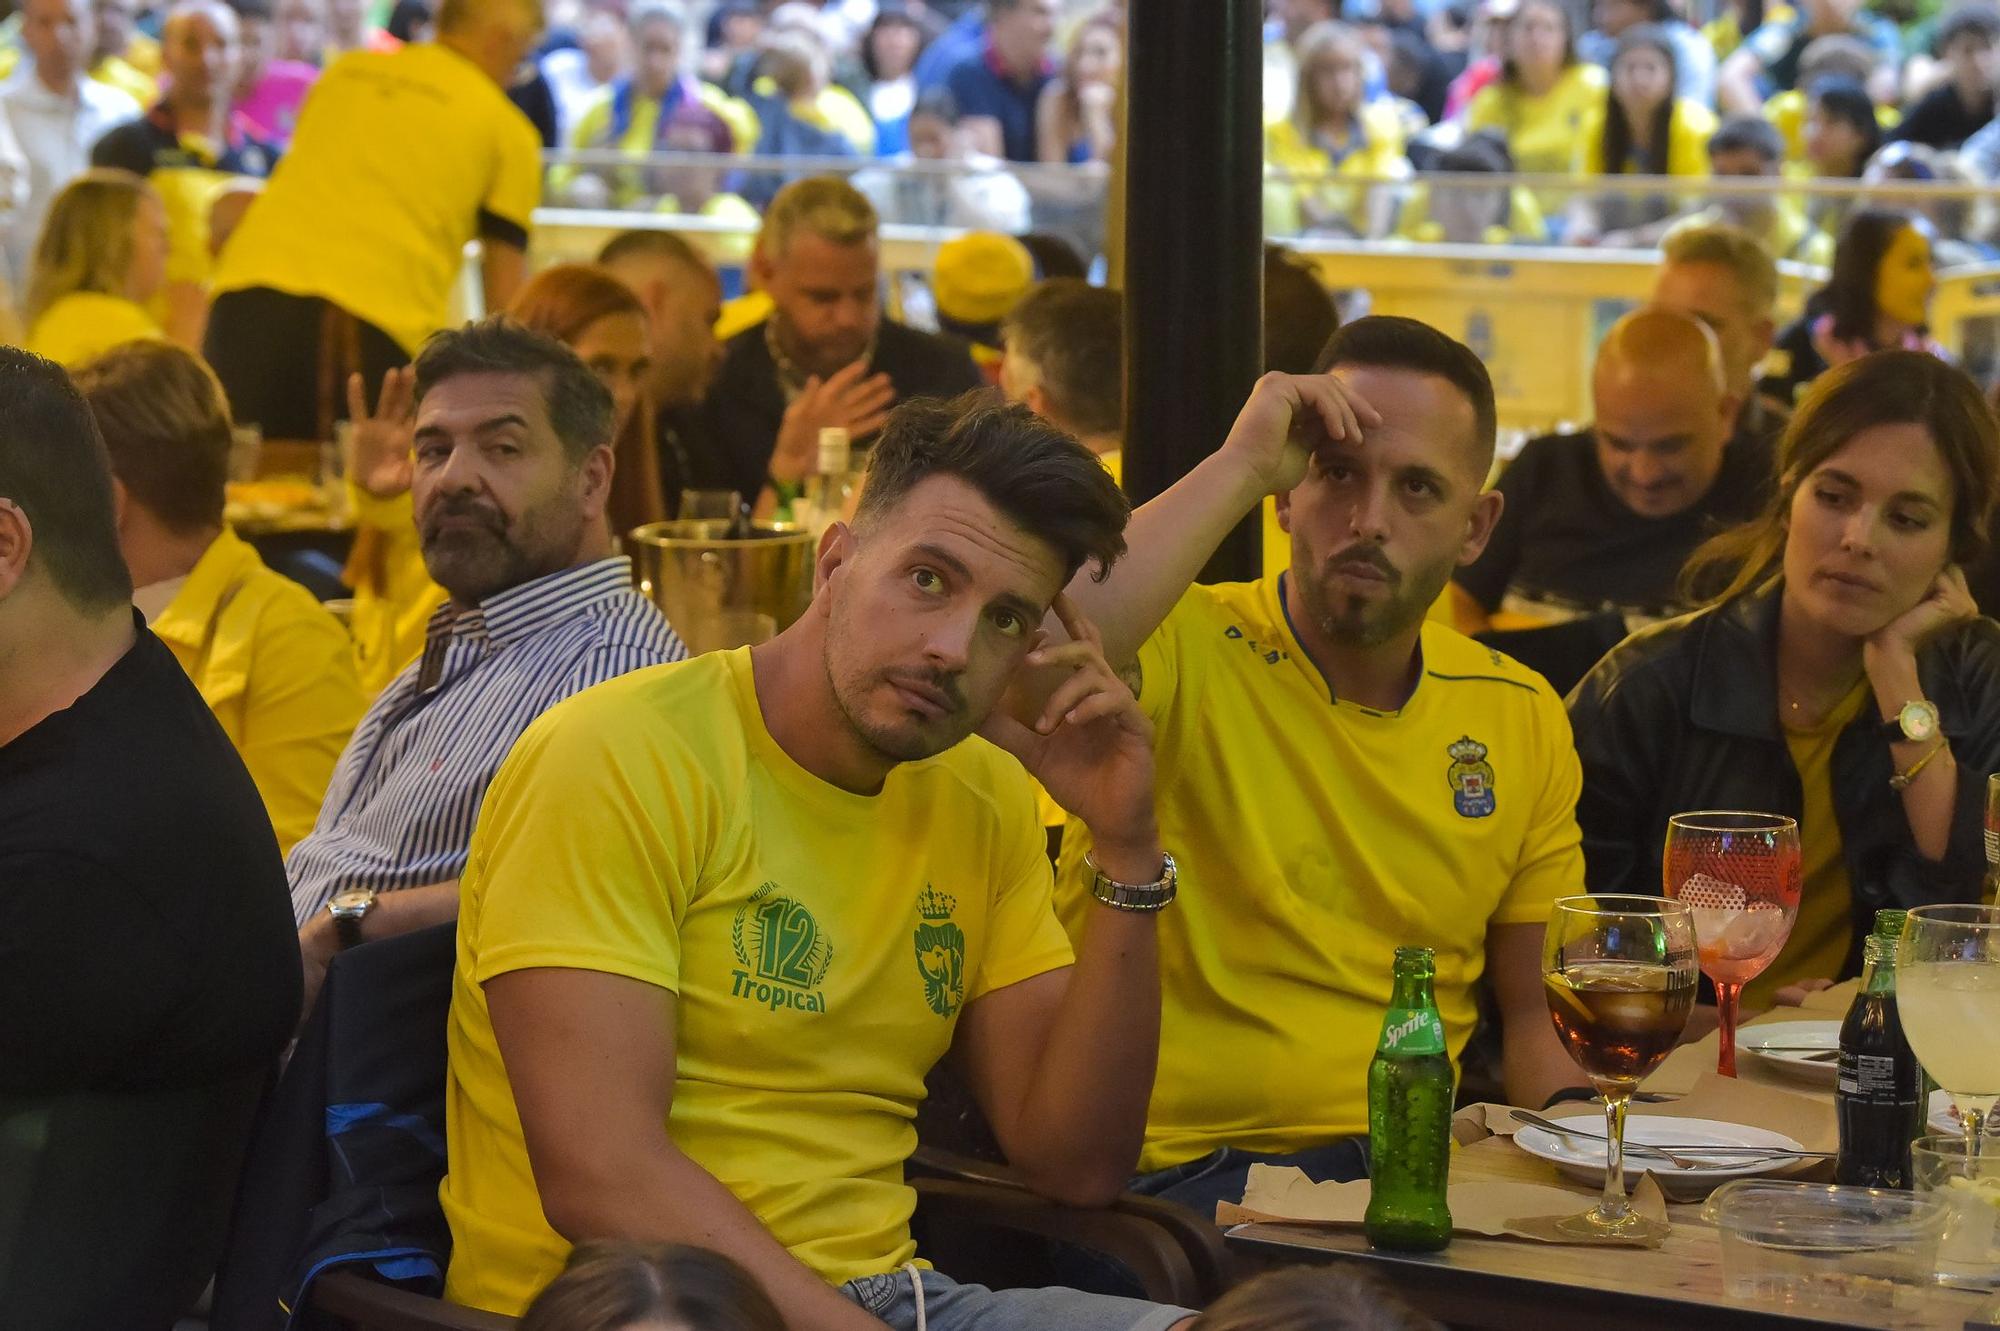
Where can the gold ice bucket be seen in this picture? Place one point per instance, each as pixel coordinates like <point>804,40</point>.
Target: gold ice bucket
<point>720,592</point>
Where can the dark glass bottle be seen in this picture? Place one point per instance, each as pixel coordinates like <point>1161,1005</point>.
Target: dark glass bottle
<point>1878,1098</point>
<point>1409,1115</point>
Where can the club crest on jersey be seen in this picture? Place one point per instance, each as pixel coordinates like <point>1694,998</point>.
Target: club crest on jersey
<point>1471,778</point>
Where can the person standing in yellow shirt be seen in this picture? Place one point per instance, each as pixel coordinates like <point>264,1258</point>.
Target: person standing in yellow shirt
<point>720,919</point>
<point>1338,775</point>
<point>272,664</point>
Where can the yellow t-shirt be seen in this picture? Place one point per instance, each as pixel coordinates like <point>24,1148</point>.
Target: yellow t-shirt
<point>1302,181</point>
<point>1787,111</point>
<point>399,160</point>
<point>275,668</point>
<point>820,945</point>
<point>1314,837</point>
<point>1545,133</point>
<point>84,324</point>
<point>1688,131</point>
<point>1825,923</point>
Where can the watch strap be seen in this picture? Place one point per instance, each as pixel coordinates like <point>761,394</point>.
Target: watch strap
<point>347,928</point>
<point>1135,896</point>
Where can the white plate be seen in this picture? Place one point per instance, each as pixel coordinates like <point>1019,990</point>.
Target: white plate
<point>1583,1158</point>
<point>1943,1119</point>
<point>1797,1064</point>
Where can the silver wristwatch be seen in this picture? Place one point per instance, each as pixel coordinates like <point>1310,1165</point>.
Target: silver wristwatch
<point>1134,896</point>
<point>349,907</point>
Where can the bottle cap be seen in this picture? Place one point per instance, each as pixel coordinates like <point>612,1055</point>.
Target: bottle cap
<point>833,451</point>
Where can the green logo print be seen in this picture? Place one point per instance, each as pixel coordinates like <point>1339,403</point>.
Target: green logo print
<point>940,952</point>
<point>787,955</point>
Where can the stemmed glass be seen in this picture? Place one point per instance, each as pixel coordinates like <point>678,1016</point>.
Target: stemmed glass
<point>1619,975</point>
<point>1738,873</point>
<point>1948,995</point>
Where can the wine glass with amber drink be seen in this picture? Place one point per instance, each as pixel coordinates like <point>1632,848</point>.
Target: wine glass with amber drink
<point>1620,976</point>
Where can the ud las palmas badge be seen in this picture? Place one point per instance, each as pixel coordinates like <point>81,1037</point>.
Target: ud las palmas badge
<point>1471,778</point>
<point>940,952</point>
<point>785,954</point>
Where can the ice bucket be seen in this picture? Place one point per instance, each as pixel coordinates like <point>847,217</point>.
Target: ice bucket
<point>720,592</point>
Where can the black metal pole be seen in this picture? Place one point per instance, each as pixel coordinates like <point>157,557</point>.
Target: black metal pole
<point>1194,241</point>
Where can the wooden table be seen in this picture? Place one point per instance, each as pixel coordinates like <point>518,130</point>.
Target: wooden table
<point>1484,1284</point>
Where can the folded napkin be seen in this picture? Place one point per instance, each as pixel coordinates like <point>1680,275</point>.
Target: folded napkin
<point>1531,1211</point>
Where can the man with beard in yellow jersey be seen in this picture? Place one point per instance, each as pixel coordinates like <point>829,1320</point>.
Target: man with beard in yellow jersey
<point>721,920</point>
<point>1338,776</point>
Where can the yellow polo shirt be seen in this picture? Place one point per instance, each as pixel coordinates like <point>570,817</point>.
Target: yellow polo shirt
<point>1303,179</point>
<point>1314,837</point>
<point>1824,927</point>
<point>84,324</point>
<point>820,946</point>
<point>276,669</point>
<point>399,160</point>
<point>1545,133</point>
<point>1688,131</point>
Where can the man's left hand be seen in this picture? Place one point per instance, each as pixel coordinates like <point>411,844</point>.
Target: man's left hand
<point>317,945</point>
<point>1091,747</point>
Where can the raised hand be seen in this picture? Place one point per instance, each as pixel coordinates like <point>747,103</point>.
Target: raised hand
<point>1949,602</point>
<point>849,398</point>
<point>1091,747</point>
<point>1288,417</point>
<point>382,464</point>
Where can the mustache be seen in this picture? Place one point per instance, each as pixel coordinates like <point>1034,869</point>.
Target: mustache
<point>1369,554</point>
<point>485,514</point>
<point>944,682</point>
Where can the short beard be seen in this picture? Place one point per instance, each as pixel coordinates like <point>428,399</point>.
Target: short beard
<point>892,744</point>
<point>473,565</point>
<point>1362,626</point>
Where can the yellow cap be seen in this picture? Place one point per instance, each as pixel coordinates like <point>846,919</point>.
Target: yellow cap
<point>980,276</point>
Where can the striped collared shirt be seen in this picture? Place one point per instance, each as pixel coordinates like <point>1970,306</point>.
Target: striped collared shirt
<point>401,806</point>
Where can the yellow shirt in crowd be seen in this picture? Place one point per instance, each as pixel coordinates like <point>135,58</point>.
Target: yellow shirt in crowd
<point>394,597</point>
<point>383,236</point>
<point>1524,224</point>
<point>84,324</point>
<point>1688,132</point>
<point>820,946</point>
<point>275,668</point>
<point>639,139</point>
<point>1304,185</point>
<point>1817,948</point>
<point>1545,133</point>
<point>1314,837</point>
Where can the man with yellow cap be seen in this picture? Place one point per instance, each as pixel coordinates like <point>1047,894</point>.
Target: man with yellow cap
<point>976,281</point>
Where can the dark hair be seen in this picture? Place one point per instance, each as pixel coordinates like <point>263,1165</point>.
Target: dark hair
<point>54,467</point>
<point>927,31</point>
<point>609,1286</point>
<point>1885,388</point>
<point>1044,481</point>
<point>1054,256</point>
<point>938,104</point>
<point>166,429</point>
<point>1973,20</point>
<point>1074,333</point>
<point>579,405</point>
<point>407,16</point>
<point>1391,342</point>
<point>1748,134</point>
<point>261,10</point>
<point>1847,101</point>
<point>1299,314</point>
<point>1510,74</point>
<point>1618,140</point>
<point>1305,1299</point>
<point>651,244</point>
<point>1483,151</point>
<point>1849,293</point>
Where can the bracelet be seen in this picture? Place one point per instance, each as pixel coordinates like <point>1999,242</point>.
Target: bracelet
<point>1901,781</point>
<point>1135,896</point>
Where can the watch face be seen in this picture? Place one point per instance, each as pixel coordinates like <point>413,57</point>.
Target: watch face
<point>351,900</point>
<point>1919,721</point>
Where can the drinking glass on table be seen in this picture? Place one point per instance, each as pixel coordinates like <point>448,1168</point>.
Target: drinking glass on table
<point>1948,995</point>
<point>711,505</point>
<point>1619,975</point>
<point>1738,874</point>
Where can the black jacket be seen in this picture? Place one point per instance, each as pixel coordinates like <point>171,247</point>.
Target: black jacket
<point>745,405</point>
<point>1684,715</point>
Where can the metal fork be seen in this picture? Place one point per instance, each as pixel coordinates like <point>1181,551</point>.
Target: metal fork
<point>1747,1154</point>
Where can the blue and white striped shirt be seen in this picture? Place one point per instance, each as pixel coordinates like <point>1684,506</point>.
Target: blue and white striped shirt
<point>400,809</point>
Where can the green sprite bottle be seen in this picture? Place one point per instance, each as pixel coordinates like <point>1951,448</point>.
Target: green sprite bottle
<point>1409,1115</point>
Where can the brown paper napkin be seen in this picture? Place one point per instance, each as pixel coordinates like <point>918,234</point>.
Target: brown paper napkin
<point>1278,1195</point>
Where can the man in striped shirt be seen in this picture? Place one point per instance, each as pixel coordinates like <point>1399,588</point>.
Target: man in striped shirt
<point>511,467</point>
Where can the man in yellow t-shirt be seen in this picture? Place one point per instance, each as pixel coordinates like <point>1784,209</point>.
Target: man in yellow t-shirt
<point>399,160</point>
<point>720,919</point>
<point>1338,776</point>
<point>272,664</point>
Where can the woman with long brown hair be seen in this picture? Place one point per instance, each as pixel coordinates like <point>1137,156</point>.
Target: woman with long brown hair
<point>1840,673</point>
<point>643,1286</point>
<point>601,320</point>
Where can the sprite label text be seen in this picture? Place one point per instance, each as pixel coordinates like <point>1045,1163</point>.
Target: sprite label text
<point>1412,1031</point>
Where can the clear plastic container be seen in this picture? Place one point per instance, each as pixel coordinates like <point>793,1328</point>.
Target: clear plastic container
<point>1816,1248</point>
